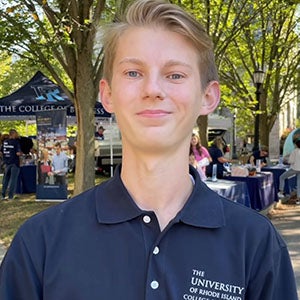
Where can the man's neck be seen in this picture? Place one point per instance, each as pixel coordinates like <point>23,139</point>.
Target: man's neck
<point>162,185</point>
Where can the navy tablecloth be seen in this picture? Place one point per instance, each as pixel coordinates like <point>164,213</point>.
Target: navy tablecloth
<point>236,191</point>
<point>261,189</point>
<point>27,180</point>
<point>290,183</point>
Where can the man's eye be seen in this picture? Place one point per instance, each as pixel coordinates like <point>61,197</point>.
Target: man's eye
<point>132,74</point>
<point>175,76</point>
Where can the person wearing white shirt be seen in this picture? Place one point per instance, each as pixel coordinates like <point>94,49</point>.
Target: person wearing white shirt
<point>294,161</point>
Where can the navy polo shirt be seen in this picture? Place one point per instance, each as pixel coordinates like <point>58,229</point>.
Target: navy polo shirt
<point>256,155</point>
<point>215,154</point>
<point>100,245</point>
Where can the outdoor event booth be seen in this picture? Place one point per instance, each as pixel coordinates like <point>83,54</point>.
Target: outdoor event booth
<point>37,95</point>
<point>42,100</point>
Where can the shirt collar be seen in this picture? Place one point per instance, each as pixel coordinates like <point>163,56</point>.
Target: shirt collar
<point>204,207</point>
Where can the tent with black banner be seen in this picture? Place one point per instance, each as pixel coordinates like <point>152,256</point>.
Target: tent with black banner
<point>41,95</point>
<point>37,95</point>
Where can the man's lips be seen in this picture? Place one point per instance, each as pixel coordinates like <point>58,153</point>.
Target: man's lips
<point>153,113</point>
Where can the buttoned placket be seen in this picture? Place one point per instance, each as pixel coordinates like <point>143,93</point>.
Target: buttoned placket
<point>154,289</point>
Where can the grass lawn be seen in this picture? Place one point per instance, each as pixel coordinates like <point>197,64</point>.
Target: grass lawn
<point>14,213</point>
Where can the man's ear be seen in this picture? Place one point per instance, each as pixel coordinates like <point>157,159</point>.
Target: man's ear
<point>211,98</point>
<point>105,95</point>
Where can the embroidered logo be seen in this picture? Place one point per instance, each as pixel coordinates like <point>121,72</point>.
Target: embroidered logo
<point>203,288</point>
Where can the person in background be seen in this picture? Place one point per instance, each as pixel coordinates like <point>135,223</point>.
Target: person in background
<point>194,163</point>
<point>201,154</point>
<point>11,150</point>
<point>1,157</point>
<point>72,158</point>
<point>34,155</point>
<point>154,230</point>
<point>261,154</point>
<point>59,166</point>
<point>99,134</point>
<point>26,144</point>
<point>44,167</point>
<point>218,158</point>
<point>4,137</point>
<point>294,161</point>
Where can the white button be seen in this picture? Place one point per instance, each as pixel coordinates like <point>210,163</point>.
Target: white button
<point>147,219</point>
<point>156,250</point>
<point>154,284</point>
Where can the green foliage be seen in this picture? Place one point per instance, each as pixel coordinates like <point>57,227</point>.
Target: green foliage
<point>21,126</point>
<point>25,128</point>
<point>250,35</point>
<point>41,37</point>
<point>72,131</point>
<point>15,72</point>
<point>63,37</point>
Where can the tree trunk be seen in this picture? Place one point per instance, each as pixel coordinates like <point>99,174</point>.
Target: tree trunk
<point>202,122</point>
<point>85,98</point>
<point>85,150</point>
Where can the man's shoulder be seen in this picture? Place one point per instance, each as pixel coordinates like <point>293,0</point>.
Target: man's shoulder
<point>13,141</point>
<point>249,222</point>
<point>213,149</point>
<point>65,155</point>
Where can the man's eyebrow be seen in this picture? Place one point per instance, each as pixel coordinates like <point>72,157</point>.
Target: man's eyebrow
<point>130,60</point>
<point>174,62</point>
<point>169,63</point>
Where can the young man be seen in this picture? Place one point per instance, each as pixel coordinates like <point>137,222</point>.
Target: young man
<point>11,151</point>
<point>154,231</point>
<point>99,134</point>
<point>261,154</point>
<point>59,165</point>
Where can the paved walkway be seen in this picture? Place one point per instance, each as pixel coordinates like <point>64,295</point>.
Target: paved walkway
<point>287,221</point>
<point>286,218</point>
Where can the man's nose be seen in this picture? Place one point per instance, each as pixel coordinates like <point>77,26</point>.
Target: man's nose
<point>153,88</point>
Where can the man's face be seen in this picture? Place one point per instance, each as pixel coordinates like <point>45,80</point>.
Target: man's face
<point>57,150</point>
<point>14,135</point>
<point>155,91</point>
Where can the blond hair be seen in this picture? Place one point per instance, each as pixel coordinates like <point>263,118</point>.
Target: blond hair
<point>162,14</point>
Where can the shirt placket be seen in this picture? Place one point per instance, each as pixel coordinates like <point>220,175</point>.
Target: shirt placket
<point>154,286</point>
